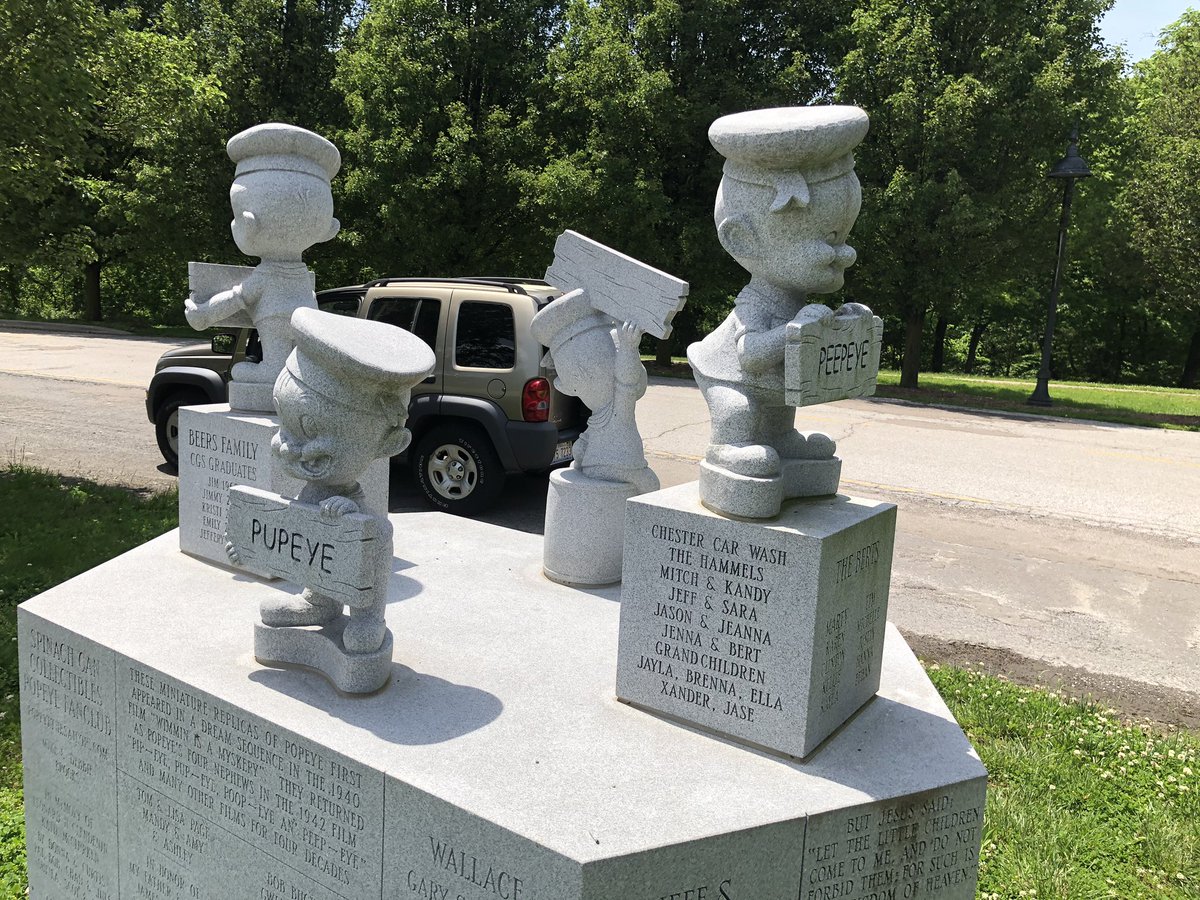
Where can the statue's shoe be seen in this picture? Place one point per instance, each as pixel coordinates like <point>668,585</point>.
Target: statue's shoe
<point>753,460</point>
<point>806,445</point>
<point>308,609</point>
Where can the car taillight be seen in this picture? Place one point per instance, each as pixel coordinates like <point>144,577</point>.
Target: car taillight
<point>535,400</point>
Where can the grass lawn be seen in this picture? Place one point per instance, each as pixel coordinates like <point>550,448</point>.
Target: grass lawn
<point>1079,805</point>
<point>142,327</point>
<point>1127,404</point>
<point>1158,407</point>
<point>52,529</point>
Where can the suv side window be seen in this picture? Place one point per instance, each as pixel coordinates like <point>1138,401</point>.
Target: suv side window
<point>485,337</point>
<point>341,304</point>
<point>416,314</point>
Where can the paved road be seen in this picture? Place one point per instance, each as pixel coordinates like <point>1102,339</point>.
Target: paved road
<point>1065,543</point>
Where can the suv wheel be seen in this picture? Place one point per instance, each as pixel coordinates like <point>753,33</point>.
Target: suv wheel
<point>166,423</point>
<point>458,470</point>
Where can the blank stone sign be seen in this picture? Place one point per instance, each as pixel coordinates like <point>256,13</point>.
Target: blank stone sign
<point>288,539</point>
<point>833,358</point>
<point>616,284</point>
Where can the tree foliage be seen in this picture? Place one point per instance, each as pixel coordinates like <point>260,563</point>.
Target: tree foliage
<point>968,102</point>
<point>1163,191</point>
<point>474,131</point>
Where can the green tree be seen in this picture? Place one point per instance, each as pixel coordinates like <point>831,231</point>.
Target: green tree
<point>1163,192</point>
<point>438,98</point>
<point>46,85</point>
<point>967,103</point>
<point>632,88</point>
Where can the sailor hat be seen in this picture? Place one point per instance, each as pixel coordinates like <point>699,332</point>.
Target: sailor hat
<point>281,147</point>
<point>567,317</point>
<point>789,148</point>
<point>365,365</point>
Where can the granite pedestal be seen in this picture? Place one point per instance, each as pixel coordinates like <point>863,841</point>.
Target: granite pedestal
<point>162,762</point>
<point>769,631</point>
<point>220,447</point>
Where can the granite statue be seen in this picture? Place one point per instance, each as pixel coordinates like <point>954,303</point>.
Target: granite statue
<point>343,403</point>
<point>593,333</point>
<point>282,205</point>
<point>785,205</point>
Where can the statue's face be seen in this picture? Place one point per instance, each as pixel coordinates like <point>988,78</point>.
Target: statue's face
<point>321,441</point>
<point>279,215</point>
<point>800,248</point>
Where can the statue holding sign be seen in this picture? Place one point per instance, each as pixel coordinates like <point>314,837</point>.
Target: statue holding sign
<point>787,200</point>
<point>592,334</point>
<point>343,403</point>
<point>282,205</point>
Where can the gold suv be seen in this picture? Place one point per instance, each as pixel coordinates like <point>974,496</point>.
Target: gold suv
<point>488,409</point>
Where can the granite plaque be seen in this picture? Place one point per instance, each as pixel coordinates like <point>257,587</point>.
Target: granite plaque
<point>770,632</point>
<point>832,358</point>
<point>281,538</point>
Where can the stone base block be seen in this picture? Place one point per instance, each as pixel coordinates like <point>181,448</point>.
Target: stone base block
<point>249,397</point>
<point>770,632</point>
<point>320,647</point>
<point>585,528</point>
<point>746,497</point>
<point>220,447</point>
<point>162,760</point>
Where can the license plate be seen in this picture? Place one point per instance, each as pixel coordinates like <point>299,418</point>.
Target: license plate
<point>563,451</point>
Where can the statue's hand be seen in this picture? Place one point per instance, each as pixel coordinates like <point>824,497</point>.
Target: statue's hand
<point>333,508</point>
<point>232,553</point>
<point>629,368</point>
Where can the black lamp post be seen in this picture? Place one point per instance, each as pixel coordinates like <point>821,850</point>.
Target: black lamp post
<point>1067,169</point>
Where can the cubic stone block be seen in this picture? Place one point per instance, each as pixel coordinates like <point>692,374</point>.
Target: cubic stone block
<point>219,448</point>
<point>768,631</point>
<point>162,762</point>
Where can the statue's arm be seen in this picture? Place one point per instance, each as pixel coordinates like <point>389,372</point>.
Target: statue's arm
<point>630,374</point>
<point>759,349</point>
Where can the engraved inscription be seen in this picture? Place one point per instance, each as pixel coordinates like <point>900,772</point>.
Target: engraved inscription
<point>68,733</point>
<point>297,802</point>
<point>711,644</point>
<point>217,461</point>
<point>450,869</point>
<point>926,845</point>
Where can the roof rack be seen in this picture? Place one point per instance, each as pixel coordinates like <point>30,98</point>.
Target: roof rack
<point>512,285</point>
<point>507,280</point>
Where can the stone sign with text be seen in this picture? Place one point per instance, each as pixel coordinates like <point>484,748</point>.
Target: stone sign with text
<point>769,632</point>
<point>835,357</point>
<point>280,538</point>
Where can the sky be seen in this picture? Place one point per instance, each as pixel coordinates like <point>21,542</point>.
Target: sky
<point>1136,23</point>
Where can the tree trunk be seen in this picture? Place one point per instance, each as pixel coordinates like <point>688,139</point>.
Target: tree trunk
<point>662,353</point>
<point>973,347</point>
<point>91,292</point>
<point>910,366</point>
<point>1191,366</point>
<point>939,345</point>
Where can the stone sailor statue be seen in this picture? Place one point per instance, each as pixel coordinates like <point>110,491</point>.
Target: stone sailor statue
<point>282,205</point>
<point>343,403</point>
<point>595,358</point>
<point>785,205</point>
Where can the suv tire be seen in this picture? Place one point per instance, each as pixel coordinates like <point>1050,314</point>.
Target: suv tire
<point>166,423</point>
<point>457,469</point>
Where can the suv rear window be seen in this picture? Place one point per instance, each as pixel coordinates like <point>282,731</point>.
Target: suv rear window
<point>416,314</point>
<point>485,337</point>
